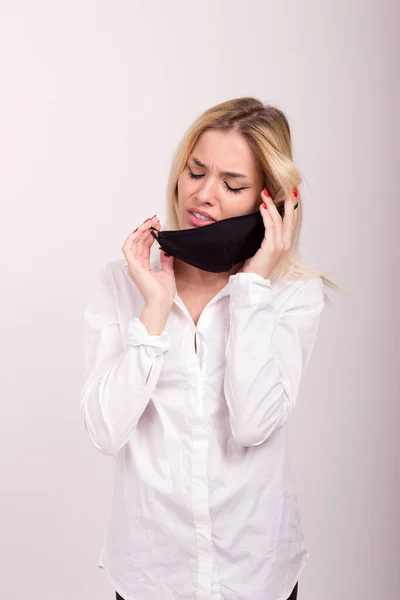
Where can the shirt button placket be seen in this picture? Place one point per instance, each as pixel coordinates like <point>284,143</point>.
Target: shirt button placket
<point>200,494</point>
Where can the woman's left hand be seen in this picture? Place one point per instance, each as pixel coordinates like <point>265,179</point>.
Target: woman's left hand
<point>277,239</point>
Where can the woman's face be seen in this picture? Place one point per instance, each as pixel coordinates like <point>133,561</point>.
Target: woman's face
<point>221,179</point>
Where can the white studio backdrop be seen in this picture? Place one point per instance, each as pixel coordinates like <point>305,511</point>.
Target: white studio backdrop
<point>94,97</point>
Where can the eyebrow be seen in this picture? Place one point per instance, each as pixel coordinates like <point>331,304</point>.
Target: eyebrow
<point>226,173</point>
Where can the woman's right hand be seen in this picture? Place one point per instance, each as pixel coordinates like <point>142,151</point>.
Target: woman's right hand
<point>157,288</point>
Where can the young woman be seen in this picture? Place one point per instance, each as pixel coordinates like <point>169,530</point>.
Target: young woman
<point>192,376</point>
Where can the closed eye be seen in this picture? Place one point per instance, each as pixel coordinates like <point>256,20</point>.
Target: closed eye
<point>227,187</point>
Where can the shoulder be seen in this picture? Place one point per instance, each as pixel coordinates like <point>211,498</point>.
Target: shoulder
<point>307,292</point>
<point>114,271</point>
<point>115,276</point>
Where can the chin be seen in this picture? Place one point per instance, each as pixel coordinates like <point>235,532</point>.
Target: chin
<point>184,222</point>
<point>186,225</point>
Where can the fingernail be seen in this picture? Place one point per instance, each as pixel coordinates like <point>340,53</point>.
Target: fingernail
<point>264,205</point>
<point>295,192</point>
<point>266,192</point>
<point>135,230</point>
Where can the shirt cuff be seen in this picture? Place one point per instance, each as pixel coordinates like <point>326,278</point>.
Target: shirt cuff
<point>139,336</point>
<point>250,289</point>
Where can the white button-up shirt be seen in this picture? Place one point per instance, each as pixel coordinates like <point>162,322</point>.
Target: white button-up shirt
<point>203,504</point>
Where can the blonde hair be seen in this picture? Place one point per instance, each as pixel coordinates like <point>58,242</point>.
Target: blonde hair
<point>267,132</point>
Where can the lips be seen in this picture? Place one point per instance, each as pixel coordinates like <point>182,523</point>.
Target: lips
<point>202,212</point>
<point>199,221</point>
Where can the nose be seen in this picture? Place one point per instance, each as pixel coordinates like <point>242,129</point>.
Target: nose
<point>207,191</point>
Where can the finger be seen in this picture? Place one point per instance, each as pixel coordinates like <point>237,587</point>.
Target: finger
<point>139,248</point>
<point>143,246</point>
<point>138,243</point>
<point>148,241</point>
<point>136,237</point>
<point>141,232</point>
<point>133,248</point>
<point>273,211</point>
<point>167,262</point>
<point>153,223</point>
<point>147,244</point>
<point>148,223</point>
<point>289,221</point>
<point>133,236</point>
<point>144,226</point>
<point>127,245</point>
<point>270,229</point>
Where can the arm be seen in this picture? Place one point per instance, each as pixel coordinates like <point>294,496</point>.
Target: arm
<point>118,381</point>
<point>267,353</point>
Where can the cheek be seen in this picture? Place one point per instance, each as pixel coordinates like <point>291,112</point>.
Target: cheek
<point>183,190</point>
<point>240,204</point>
<point>256,203</point>
<point>253,202</point>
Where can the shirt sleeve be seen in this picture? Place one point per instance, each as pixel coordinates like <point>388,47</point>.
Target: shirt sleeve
<point>119,378</point>
<point>267,353</point>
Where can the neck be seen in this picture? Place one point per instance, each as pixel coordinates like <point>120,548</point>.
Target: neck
<point>187,276</point>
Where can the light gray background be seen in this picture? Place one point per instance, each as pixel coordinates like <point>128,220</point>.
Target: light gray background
<point>94,98</point>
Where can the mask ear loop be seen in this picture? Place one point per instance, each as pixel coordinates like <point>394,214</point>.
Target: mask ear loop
<point>281,209</point>
<point>155,236</point>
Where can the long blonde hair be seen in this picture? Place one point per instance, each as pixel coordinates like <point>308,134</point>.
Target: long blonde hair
<point>267,132</point>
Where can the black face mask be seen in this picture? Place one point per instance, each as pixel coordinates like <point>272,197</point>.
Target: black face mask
<point>216,247</point>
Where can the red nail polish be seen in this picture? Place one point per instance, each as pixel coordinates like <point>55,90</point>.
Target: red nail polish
<point>264,205</point>
<point>135,229</point>
<point>295,192</point>
<point>266,192</point>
